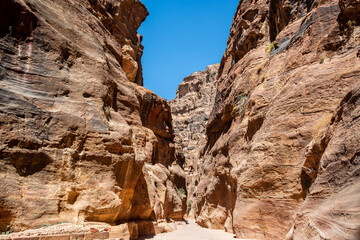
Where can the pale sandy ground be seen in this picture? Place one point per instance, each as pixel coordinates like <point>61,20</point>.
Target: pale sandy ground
<point>192,231</point>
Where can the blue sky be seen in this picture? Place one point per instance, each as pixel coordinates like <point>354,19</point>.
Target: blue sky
<point>181,37</point>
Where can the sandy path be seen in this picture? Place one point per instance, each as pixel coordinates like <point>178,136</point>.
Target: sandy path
<point>192,231</point>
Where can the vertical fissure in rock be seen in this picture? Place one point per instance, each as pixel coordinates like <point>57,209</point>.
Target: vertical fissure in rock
<point>309,172</point>
<point>279,16</point>
<point>315,150</point>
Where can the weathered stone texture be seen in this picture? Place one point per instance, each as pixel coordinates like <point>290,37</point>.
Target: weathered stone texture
<point>268,172</point>
<point>331,209</point>
<point>190,112</point>
<point>79,141</point>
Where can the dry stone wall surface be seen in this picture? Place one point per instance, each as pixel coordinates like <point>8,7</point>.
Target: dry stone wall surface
<point>81,140</point>
<point>280,159</point>
<point>264,145</point>
<point>191,109</point>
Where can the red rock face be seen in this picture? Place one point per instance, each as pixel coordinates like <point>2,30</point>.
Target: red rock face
<point>282,139</point>
<point>79,141</point>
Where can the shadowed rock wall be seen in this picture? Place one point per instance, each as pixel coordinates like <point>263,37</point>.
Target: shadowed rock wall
<point>79,140</point>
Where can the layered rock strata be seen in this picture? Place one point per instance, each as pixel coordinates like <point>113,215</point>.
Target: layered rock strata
<point>190,113</point>
<point>331,209</point>
<point>125,231</point>
<point>80,140</point>
<point>281,158</point>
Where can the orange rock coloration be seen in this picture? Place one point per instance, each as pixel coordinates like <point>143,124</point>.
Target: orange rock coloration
<point>190,112</point>
<point>81,141</point>
<point>265,145</point>
<point>282,154</point>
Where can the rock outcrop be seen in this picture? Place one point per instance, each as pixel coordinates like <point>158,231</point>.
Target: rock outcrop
<point>94,230</point>
<point>81,141</point>
<point>190,113</point>
<point>282,152</point>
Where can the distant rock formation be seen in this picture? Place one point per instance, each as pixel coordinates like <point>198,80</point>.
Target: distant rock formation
<point>80,141</point>
<point>190,109</point>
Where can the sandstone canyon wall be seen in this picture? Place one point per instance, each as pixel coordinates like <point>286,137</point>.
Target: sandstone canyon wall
<point>269,139</point>
<point>282,153</point>
<point>191,109</point>
<point>81,141</point>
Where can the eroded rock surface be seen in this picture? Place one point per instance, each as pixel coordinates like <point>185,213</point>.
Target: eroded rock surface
<point>331,210</point>
<point>190,112</point>
<point>80,141</point>
<point>277,162</point>
<point>94,230</point>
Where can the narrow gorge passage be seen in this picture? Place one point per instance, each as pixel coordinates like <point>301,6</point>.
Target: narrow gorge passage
<point>263,145</point>
<point>192,231</point>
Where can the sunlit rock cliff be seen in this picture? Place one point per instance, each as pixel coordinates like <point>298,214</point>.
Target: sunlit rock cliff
<point>191,109</point>
<point>265,144</point>
<point>282,153</point>
<point>81,141</point>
